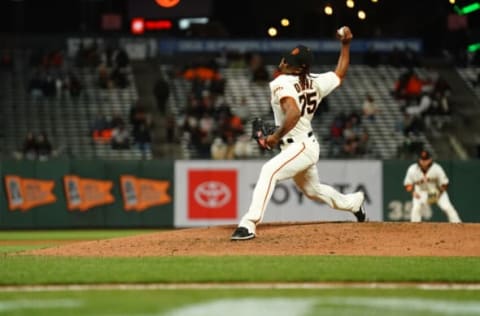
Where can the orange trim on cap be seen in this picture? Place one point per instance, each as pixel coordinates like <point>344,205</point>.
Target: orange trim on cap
<point>295,51</point>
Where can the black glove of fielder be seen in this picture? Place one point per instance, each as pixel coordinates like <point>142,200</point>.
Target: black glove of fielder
<point>260,131</point>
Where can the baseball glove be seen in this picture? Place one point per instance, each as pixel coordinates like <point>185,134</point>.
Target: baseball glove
<point>433,195</point>
<point>260,131</point>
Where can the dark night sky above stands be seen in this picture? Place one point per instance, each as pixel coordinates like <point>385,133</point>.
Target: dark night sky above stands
<point>247,18</point>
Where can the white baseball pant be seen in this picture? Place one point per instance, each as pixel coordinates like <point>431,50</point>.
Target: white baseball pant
<point>419,205</point>
<point>298,161</point>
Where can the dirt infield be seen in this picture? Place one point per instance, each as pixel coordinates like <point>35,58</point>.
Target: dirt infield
<point>324,238</point>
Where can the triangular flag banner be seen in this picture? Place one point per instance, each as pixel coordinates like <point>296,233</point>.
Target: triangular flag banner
<point>25,193</point>
<point>140,194</point>
<point>84,193</point>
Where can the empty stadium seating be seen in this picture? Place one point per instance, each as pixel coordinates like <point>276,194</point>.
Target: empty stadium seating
<point>470,76</point>
<point>65,119</point>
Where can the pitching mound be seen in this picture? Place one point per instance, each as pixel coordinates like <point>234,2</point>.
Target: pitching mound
<point>325,238</point>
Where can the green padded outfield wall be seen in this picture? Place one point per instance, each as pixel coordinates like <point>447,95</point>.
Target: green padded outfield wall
<point>464,187</point>
<point>148,174</point>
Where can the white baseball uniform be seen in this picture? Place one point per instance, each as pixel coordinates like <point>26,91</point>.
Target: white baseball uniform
<point>425,182</point>
<point>300,150</point>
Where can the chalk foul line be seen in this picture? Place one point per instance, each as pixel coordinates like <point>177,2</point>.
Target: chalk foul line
<point>213,286</point>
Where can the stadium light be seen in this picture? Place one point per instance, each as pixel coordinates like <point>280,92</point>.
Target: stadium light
<point>285,22</point>
<point>328,10</point>
<point>361,15</point>
<point>137,26</point>
<point>272,31</point>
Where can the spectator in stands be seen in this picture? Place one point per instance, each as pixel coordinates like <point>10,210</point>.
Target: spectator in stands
<point>349,148</point>
<point>121,58</point>
<point>220,108</point>
<point>107,56</point>
<point>363,143</point>
<point>120,138</point>
<point>116,120</point>
<point>410,147</point>
<point>99,123</point>
<point>29,147</point>
<point>100,129</point>
<point>441,85</point>
<point>218,149</point>
<point>143,139</point>
<point>161,90</point>
<point>53,59</point>
<point>369,108</point>
<point>408,86</point>
<point>73,84</point>
<point>201,132</point>
<point>242,110</point>
<point>35,86</point>
<point>138,116</point>
<point>49,86</point>
<point>79,58</point>
<point>336,133</point>
<point>119,78</point>
<point>44,147</point>
<point>348,132</point>
<point>231,126</point>
<point>92,55</point>
<point>422,107</point>
<point>104,80</point>
<point>243,147</point>
<point>204,76</point>
<point>410,125</point>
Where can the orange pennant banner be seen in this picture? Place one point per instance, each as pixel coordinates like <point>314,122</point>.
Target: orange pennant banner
<point>24,193</point>
<point>140,194</point>
<point>84,193</point>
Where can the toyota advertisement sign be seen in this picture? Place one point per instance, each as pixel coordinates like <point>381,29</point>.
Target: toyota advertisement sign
<point>211,193</point>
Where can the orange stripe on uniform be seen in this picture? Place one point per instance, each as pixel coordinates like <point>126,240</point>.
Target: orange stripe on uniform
<point>271,178</point>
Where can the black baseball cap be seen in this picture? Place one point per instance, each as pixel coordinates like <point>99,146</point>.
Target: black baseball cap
<point>424,155</point>
<point>300,56</point>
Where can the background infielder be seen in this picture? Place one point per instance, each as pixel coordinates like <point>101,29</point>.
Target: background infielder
<point>428,183</point>
<point>295,96</point>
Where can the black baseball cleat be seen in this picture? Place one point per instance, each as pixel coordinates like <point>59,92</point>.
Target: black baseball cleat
<point>241,233</point>
<point>361,215</point>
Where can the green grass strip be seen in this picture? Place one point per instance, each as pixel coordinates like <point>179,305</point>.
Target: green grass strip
<point>59,270</point>
<point>15,248</point>
<point>70,234</point>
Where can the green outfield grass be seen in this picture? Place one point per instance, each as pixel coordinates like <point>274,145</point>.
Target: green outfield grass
<point>70,234</point>
<point>60,270</point>
<point>295,270</point>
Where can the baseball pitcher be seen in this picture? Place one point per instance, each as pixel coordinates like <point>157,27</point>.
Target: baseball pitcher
<point>427,181</point>
<point>295,96</point>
